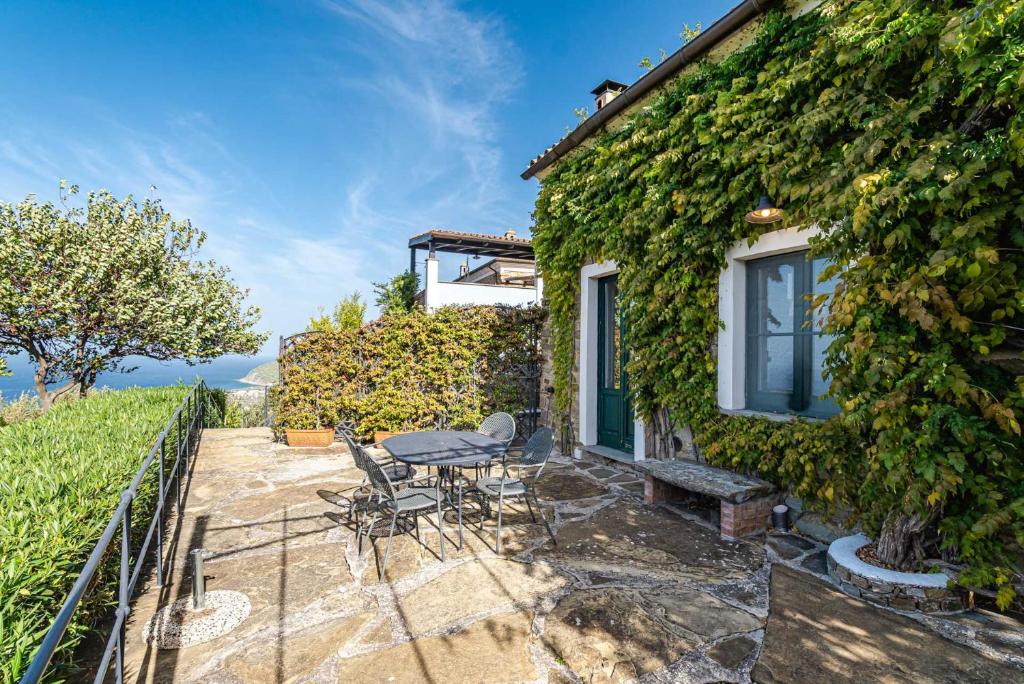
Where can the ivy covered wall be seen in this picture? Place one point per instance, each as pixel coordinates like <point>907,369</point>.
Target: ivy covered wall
<point>897,124</point>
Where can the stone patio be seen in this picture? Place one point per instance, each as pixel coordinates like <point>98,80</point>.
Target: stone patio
<point>630,592</point>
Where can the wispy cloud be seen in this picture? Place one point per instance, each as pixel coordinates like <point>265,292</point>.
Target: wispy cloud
<point>445,73</point>
<point>287,272</point>
<point>418,144</point>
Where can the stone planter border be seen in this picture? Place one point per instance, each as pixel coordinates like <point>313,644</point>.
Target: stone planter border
<point>922,591</point>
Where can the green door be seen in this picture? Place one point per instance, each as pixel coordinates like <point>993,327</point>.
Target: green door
<point>614,410</point>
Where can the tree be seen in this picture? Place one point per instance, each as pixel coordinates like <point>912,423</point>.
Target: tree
<point>84,288</point>
<point>398,295</point>
<point>348,314</point>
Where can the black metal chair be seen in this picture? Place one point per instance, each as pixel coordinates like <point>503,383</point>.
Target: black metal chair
<point>398,473</point>
<point>535,456</point>
<point>409,501</point>
<point>500,426</point>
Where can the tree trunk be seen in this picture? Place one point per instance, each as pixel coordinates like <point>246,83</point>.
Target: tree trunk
<point>48,397</point>
<point>659,434</point>
<point>899,537</point>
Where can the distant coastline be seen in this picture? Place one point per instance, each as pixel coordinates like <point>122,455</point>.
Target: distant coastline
<point>228,373</point>
<point>263,375</point>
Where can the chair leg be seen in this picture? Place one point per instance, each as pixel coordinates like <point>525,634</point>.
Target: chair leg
<point>387,549</point>
<point>416,524</point>
<point>497,541</point>
<point>369,530</point>
<point>440,523</point>
<point>460,514</point>
<point>544,518</point>
<point>526,497</point>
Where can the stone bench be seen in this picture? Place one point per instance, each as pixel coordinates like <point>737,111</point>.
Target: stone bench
<point>745,502</point>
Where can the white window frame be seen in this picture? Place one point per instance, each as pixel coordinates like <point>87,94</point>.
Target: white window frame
<point>732,307</point>
<point>589,275</point>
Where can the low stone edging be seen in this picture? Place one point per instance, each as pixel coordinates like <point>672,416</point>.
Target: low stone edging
<point>921,591</point>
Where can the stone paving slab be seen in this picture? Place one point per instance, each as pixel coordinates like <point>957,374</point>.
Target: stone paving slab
<point>817,634</point>
<point>628,591</point>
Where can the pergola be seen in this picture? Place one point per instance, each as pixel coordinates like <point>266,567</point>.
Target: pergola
<point>477,244</point>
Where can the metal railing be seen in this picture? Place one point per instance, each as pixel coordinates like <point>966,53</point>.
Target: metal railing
<point>186,426</point>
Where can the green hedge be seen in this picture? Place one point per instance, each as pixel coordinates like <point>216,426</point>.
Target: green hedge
<point>61,477</point>
<point>419,370</point>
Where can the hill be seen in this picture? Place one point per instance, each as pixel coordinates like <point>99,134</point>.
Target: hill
<point>263,374</point>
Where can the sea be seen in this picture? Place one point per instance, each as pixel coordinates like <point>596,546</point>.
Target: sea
<point>226,373</point>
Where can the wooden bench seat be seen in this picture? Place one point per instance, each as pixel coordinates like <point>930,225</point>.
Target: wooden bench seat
<point>745,502</point>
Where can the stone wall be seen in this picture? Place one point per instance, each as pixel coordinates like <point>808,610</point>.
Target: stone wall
<point>892,593</point>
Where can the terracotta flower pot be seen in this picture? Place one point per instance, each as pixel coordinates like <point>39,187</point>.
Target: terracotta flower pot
<point>322,437</point>
<point>381,435</point>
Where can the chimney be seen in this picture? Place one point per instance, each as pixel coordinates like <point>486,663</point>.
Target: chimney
<point>607,91</point>
<point>510,234</point>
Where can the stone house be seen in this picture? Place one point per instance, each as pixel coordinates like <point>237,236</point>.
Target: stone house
<point>765,366</point>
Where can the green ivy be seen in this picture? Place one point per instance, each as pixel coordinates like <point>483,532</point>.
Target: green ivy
<point>897,127</point>
<point>440,370</point>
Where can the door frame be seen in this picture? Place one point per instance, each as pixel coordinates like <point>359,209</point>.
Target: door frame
<point>589,275</point>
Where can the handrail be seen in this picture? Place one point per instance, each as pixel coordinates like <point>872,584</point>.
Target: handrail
<point>187,419</point>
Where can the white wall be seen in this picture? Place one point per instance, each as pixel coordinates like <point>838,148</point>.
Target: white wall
<point>438,293</point>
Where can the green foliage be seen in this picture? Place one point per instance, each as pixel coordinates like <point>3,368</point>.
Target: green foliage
<point>398,295</point>
<point>61,477</point>
<point>85,287</point>
<point>899,126</point>
<point>347,315</point>
<point>441,370</point>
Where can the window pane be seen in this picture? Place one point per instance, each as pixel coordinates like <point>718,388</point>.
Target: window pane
<point>775,364</point>
<point>775,298</point>
<point>819,343</point>
<point>817,316</point>
<point>612,351</point>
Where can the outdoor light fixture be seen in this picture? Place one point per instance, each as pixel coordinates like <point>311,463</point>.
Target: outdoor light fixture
<point>766,212</point>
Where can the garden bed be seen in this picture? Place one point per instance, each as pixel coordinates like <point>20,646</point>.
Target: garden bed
<point>927,592</point>
<point>61,477</point>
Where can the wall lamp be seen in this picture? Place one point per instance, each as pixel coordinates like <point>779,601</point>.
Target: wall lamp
<point>765,212</point>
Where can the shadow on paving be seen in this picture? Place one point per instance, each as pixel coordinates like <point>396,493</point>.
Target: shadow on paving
<point>817,634</point>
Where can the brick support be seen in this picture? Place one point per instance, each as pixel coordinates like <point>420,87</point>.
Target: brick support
<point>747,518</point>
<point>658,491</point>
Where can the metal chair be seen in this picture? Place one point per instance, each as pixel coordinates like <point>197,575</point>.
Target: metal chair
<point>500,426</point>
<point>535,456</point>
<point>398,473</point>
<point>412,500</point>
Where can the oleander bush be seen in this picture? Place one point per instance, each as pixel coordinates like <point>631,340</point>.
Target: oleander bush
<point>897,126</point>
<point>61,477</point>
<point>407,371</point>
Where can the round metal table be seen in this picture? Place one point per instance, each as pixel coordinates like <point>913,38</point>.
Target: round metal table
<point>444,449</point>
<point>448,451</point>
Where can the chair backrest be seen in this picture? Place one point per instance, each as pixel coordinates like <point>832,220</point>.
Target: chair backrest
<point>346,428</point>
<point>379,479</point>
<point>355,450</point>
<point>500,426</point>
<point>538,449</point>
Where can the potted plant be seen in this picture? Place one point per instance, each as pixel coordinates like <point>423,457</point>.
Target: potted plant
<point>318,437</point>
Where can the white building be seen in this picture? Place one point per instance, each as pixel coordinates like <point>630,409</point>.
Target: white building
<point>509,276</point>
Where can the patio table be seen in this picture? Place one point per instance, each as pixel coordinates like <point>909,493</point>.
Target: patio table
<point>447,450</point>
<point>444,449</point>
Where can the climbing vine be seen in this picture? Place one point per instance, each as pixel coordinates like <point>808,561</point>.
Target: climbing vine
<point>896,128</point>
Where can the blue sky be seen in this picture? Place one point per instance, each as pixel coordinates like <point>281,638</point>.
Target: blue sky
<point>311,139</point>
